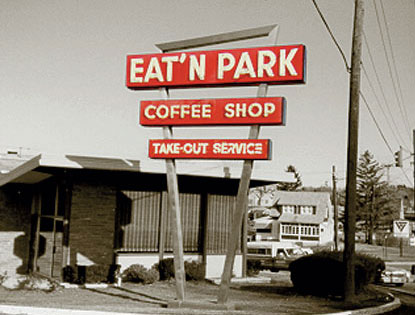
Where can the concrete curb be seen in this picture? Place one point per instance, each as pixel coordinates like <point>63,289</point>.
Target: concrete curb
<point>173,307</point>
<point>67,285</point>
<point>28,310</point>
<point>195,308</point>
<point>206,306</point>
<point>396,303</point>
<point>403,291</point>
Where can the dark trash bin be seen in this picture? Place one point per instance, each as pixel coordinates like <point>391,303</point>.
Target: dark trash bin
<point>81,274</point>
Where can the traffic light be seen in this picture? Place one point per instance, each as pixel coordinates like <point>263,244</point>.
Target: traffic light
<point>398,158</point>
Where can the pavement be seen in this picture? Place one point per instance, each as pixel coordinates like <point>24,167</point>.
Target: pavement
<point>188,307</point>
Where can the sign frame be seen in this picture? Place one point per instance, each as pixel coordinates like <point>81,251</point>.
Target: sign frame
<point>172,183</point>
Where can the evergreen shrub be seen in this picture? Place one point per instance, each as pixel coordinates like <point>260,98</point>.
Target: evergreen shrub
<point>35,282</point>
<point>140,274</point>
<point>194,270</point>
<point>253,267</point>
<point>90,274</point>
<point>322,273</point>
<point>69,274</point>
<point>97,273</point>
<point>166,268</point>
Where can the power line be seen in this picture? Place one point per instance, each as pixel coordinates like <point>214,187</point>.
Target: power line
<point>382,90</point>
<point>377,100</point>
<point>360,92</point>
<point>376,123</point>
<point>389,65</point>
<point>348,69</point>
<point>332,36</point>
<point>395,68</point>
<point>406,176</point>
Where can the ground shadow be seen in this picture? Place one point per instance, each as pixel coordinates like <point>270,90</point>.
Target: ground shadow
<point>21,248</point>
<point>145,298</point>
<point>141,294</point>
<point>268,288</point>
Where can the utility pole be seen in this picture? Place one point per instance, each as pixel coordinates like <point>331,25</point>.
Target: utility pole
<point>371,215</point>
<point>336,213</point>
<point>388,166</point>
<point>352,149</point>
<point>402,217</point>
<point>413,140</point>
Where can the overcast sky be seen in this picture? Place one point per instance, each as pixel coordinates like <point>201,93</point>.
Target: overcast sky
<point>63,64</point>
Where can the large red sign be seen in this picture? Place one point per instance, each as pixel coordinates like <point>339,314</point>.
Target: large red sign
<point>248,66</point>
<point>230,111</point>
<point>247,149</point>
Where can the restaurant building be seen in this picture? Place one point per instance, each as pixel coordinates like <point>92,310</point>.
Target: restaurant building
<point>77,211</point>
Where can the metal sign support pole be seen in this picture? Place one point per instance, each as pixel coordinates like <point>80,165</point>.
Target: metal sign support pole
<point>174,207</point>
<point>238,213</point>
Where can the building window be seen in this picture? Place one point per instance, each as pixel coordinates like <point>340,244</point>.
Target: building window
<point>307,210</point>
<point>300,231</point>
<point>291,229</point>
<point>310,229</point>
<point>288,209</point>
<point>219,219</point>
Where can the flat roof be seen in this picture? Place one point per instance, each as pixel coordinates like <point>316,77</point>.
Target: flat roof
<point>15,168</point>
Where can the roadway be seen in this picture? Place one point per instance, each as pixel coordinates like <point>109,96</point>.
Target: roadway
<point>407,296</point>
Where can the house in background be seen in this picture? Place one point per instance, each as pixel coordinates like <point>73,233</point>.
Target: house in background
<point>305,218</point>
<point>58,211</point>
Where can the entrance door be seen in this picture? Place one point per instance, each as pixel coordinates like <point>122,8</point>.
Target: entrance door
<point>49,232</point>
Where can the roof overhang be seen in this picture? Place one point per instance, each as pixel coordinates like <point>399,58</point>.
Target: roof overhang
<point>16,169</point>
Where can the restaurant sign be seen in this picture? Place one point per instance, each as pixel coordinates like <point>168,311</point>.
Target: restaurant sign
<point>246,66</point>
<point>247,149</point>
<point>230,111</point>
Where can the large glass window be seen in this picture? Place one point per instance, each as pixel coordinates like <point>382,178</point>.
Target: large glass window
<point>219,219</point>
<point>142,216</point>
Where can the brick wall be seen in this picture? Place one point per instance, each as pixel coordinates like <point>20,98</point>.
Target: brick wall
<point>92,223</point>
<point>14,229</point>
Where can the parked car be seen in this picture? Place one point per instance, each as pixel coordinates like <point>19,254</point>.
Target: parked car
<point>395,276</point>
<point>274,255</point>
<point>307,250</point>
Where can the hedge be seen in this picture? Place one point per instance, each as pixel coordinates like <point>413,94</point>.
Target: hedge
<point>194,270</point>
<point>140,274</point>
<point>322,273</point>
<point>253,267</point>
<point>90,274</point>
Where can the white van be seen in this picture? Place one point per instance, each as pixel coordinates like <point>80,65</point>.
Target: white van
<point>274,255</point>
